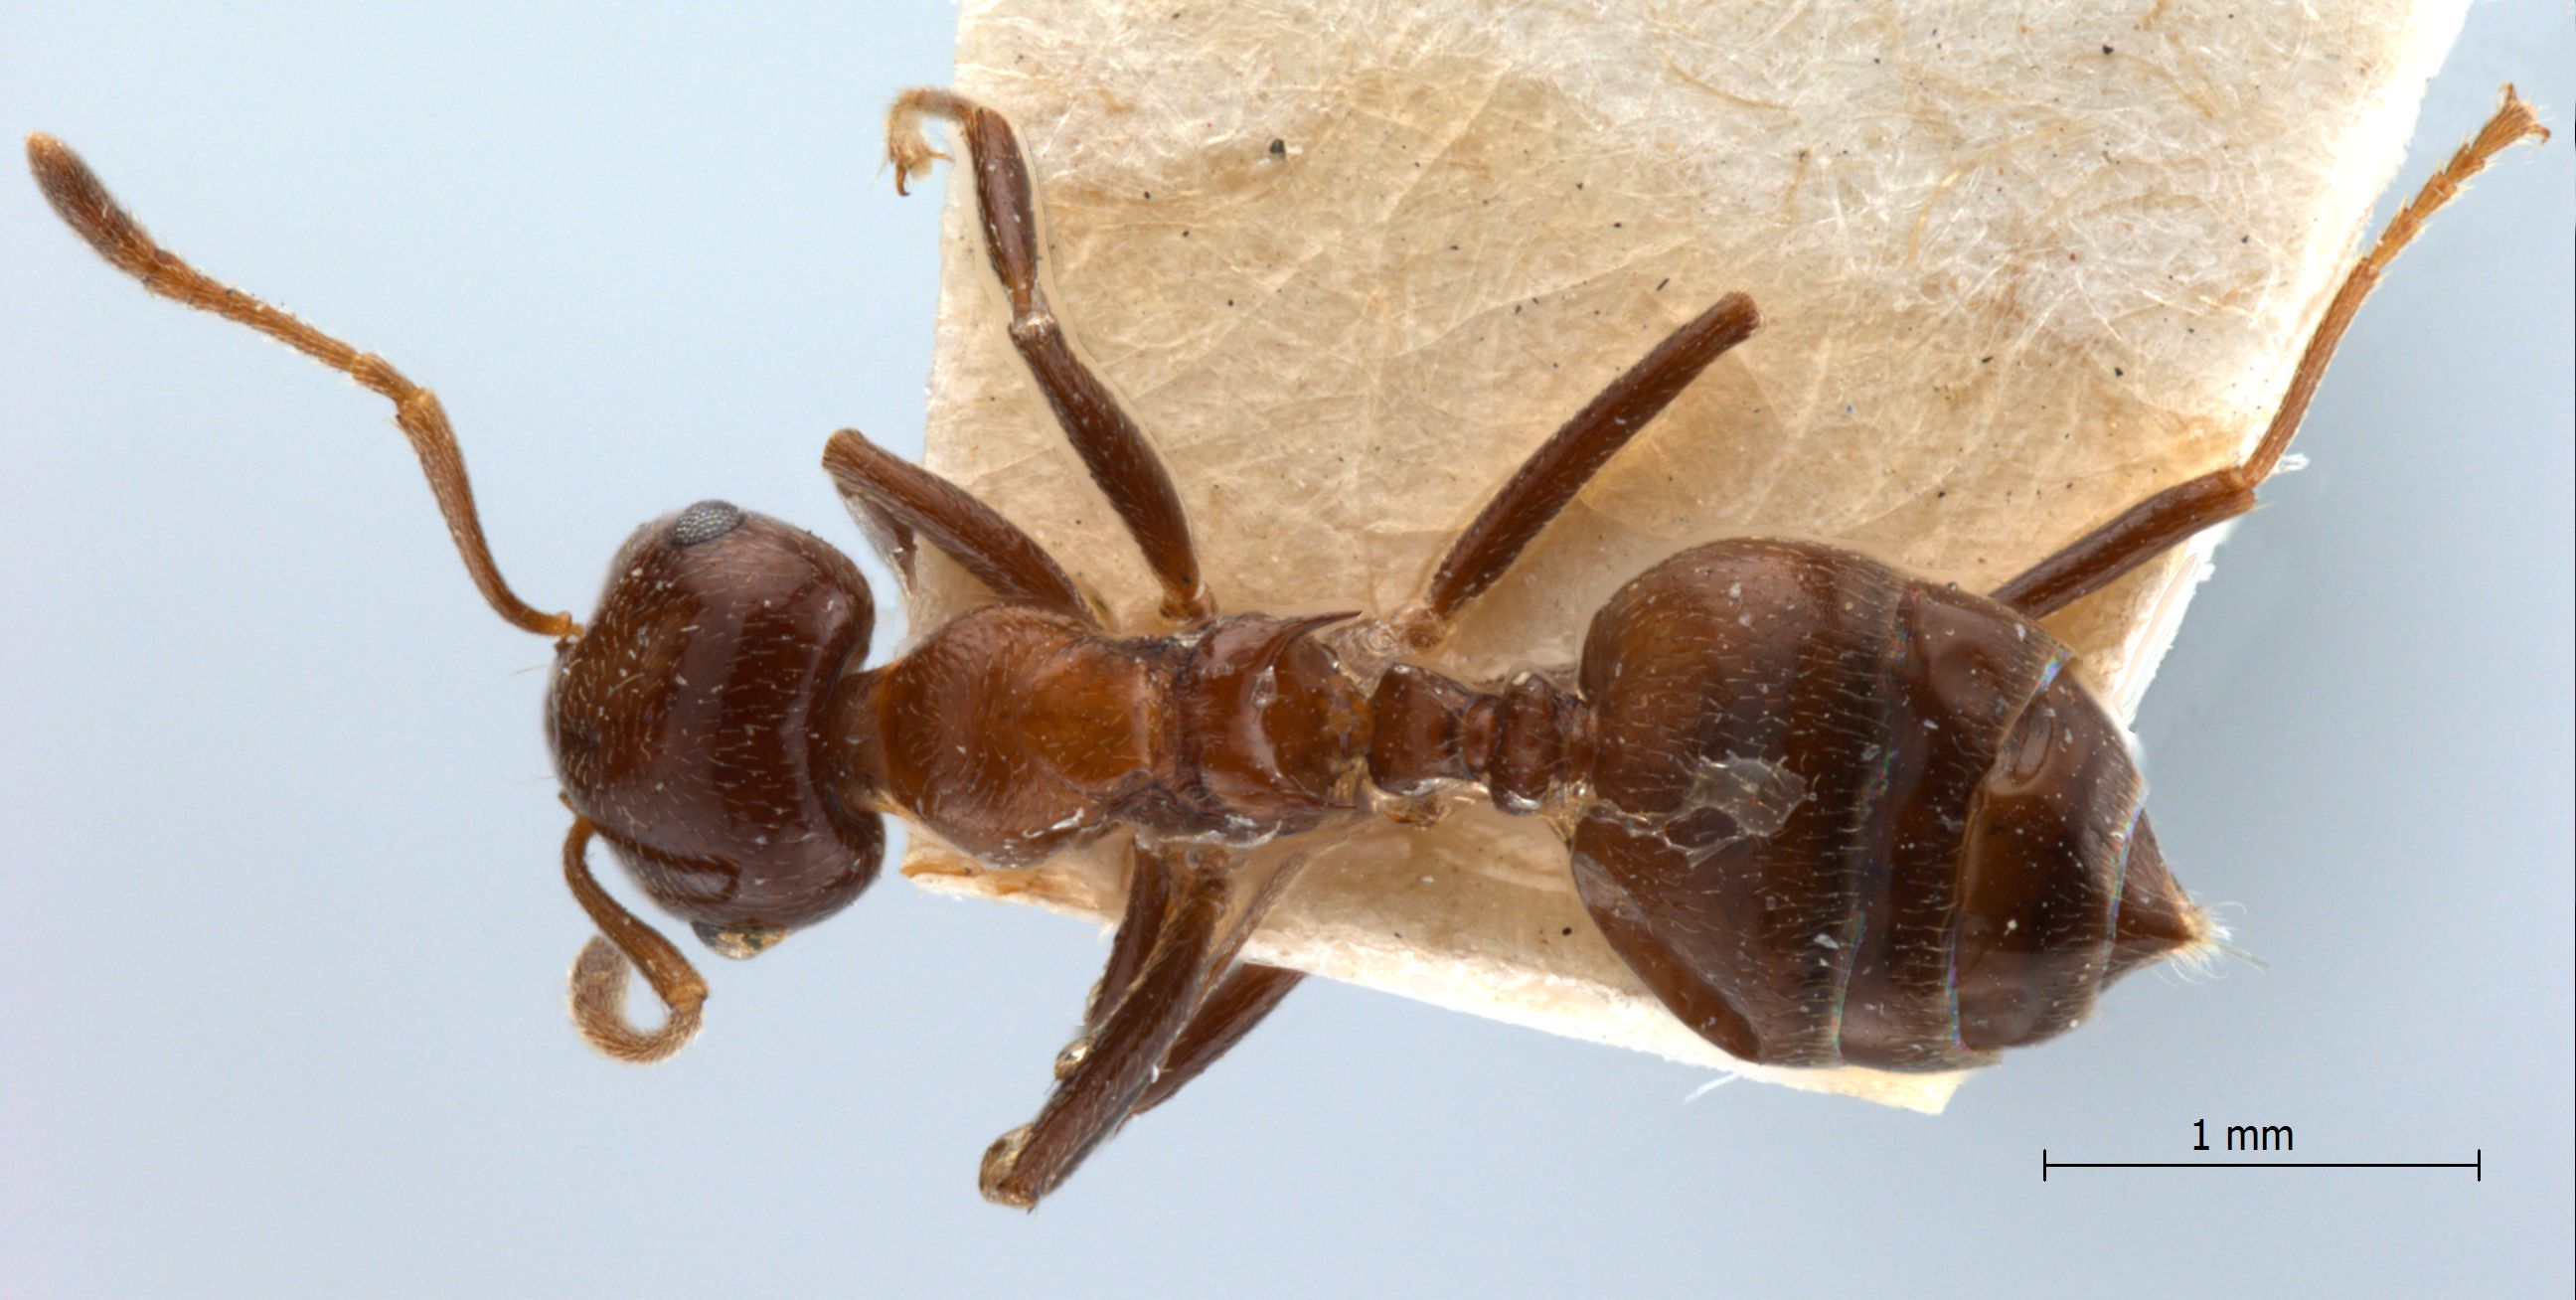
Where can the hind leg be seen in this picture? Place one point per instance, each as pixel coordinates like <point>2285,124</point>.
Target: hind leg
<point>2153,526</point>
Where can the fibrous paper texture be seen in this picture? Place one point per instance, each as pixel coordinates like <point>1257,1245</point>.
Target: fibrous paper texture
<point>1349,261</point>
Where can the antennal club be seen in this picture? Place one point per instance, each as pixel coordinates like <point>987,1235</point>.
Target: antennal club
<point>85,205</point>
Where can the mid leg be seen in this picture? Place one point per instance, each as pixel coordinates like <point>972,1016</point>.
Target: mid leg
<point>1110,444</point>
<point>1239,1002</point>
<point>1228,1009</point>
<point>2149,528</point>
<point>894,499</point>
<point>1560,467</point>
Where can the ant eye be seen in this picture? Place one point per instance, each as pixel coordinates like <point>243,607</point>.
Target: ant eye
<point>705,522</point>
<point>739,942</point>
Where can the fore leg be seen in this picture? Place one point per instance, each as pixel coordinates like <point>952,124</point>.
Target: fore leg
<point>1149,894</point>
<point>891,538</point>
<point>1544,483</point>
<point>1109,1071</point>
<point>1110,444</point>
<point>894,499</point>
<point>2156,524</point>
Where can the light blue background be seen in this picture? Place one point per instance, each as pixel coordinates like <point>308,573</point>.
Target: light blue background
<point>282,939</point>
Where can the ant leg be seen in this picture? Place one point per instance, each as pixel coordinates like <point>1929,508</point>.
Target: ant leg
<point>890,494</point>
<point>1248,994</point>
<point>1149,893</point>
<point>84,204</point>
<point>1238,1003</point>
<point>889,537</point>
<point>1110,444</point>
<point>2154,525</point>
<point>1560,467</point>
<point>1103,1081</point>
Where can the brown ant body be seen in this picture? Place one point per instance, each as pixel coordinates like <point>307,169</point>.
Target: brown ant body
<point>1829,812</point>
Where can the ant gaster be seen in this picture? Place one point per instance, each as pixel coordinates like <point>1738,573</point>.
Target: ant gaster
<point>1829,812</point>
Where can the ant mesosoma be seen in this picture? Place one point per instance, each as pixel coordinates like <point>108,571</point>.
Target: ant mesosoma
<point>1829,812</point>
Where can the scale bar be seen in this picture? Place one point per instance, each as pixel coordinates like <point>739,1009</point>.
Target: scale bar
<point>2046,1163</point>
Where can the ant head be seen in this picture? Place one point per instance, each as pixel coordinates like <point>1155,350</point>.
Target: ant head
<point>680,723</point>
<point>686,724</point>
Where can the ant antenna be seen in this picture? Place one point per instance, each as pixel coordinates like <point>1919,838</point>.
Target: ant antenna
<point>625,944</point>
<point>85,205</point>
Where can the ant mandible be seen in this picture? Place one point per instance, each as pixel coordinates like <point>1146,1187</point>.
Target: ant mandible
<point>1829,812</point>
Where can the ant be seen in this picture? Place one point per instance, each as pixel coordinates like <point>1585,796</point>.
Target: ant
<point>1829,812</point>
